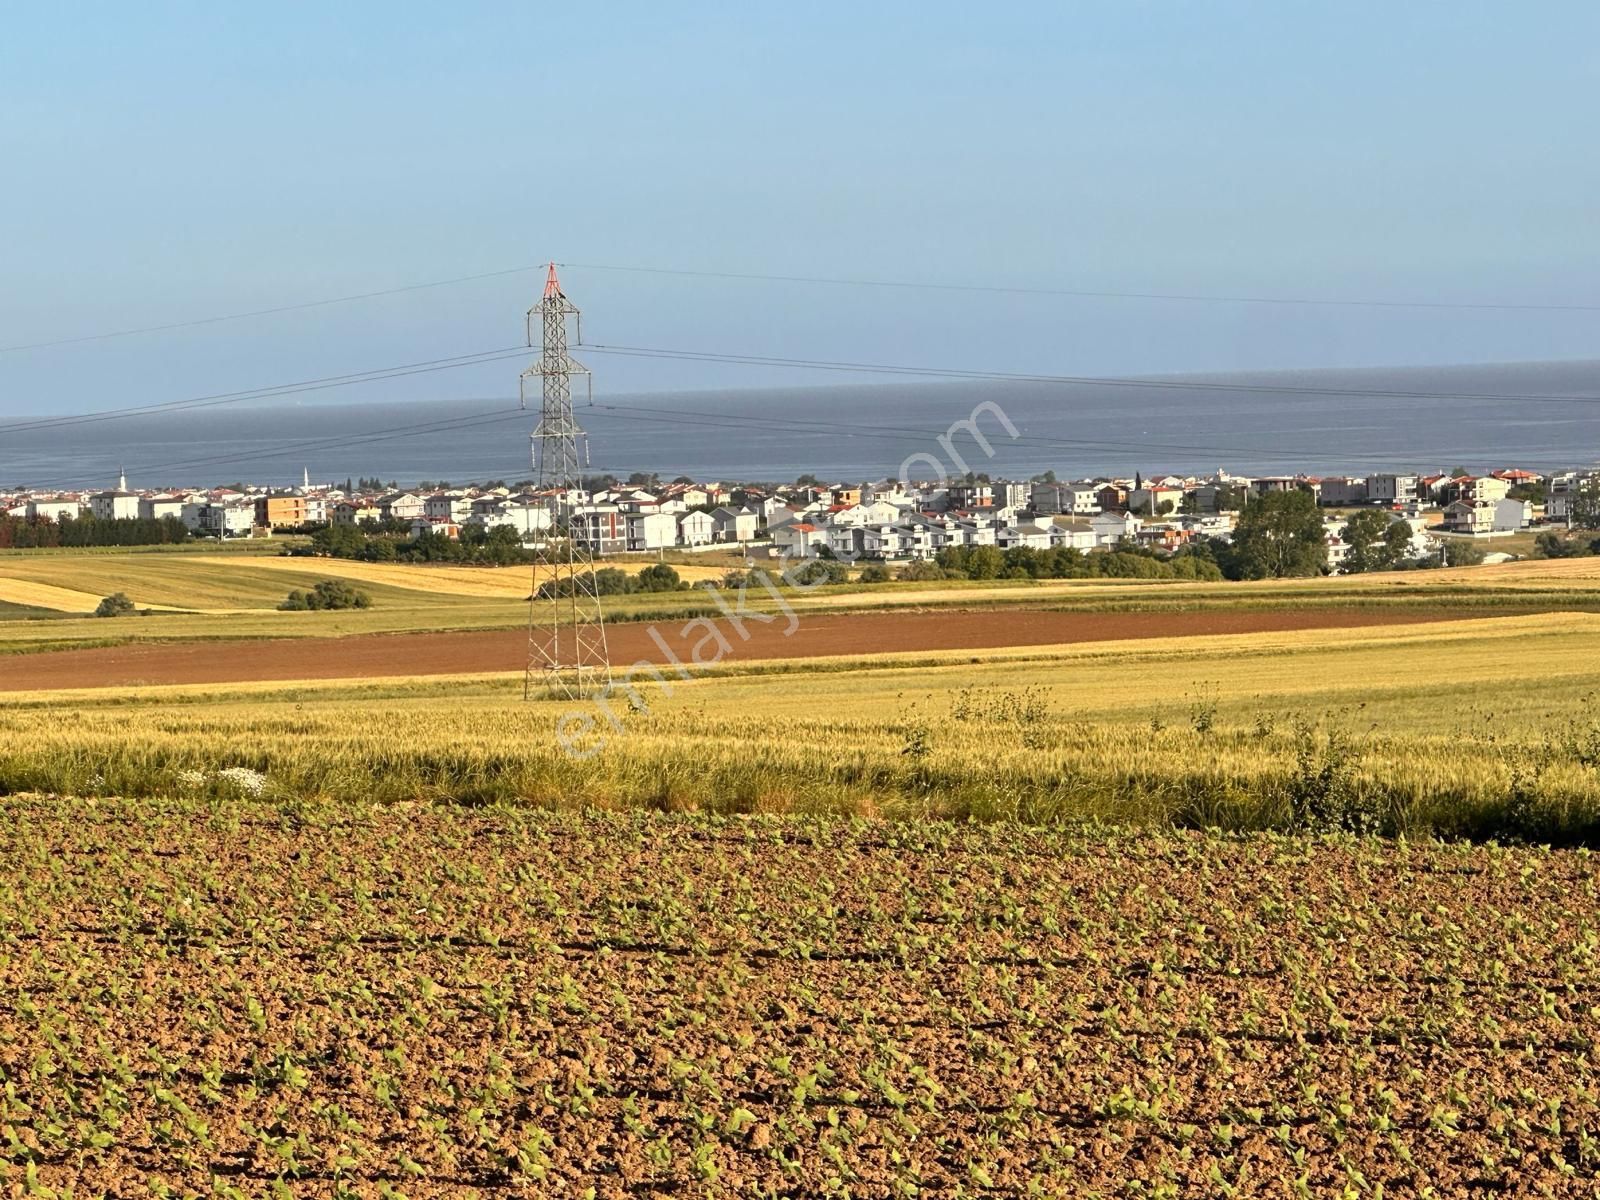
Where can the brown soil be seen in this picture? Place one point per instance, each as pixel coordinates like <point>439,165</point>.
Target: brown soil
<point>481,651</point>
<point>444,1002</point>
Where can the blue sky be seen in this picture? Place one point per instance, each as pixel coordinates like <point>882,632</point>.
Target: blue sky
<point>173,161</point>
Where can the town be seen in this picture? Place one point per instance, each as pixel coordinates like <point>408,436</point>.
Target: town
<point>887,521</point>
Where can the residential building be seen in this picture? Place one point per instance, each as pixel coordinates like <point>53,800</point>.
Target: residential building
<point>798,539</point>
<point>114,505</point>
<point>695,528</point>
<point>280,510</point>
<point>1153,499</point>
<point>651,530</point>
<point>53,510</point>
<point>1111,497</point>
<point>1111,527</point>
<point>600,527</point>
<point>157,507</point>
<point>235,518</point>
<point>971,495</point>
<point>447,506</point>
<point>1075,533</point>
<point>1077,498</point>
<point>1031,535</point>
<point>353,512</point>
<point>1392,490</point>
<point>1340,491</point>
<point>401,506</point>
<point>733,524</point>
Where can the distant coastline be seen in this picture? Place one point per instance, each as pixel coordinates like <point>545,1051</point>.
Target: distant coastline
<point>1542,416</point>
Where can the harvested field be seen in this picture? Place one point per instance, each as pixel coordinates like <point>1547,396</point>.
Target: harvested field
<point>365,1001</point>
<point>477,652</point>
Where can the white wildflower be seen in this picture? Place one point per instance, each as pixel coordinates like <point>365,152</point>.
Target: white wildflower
<point>250,783</point>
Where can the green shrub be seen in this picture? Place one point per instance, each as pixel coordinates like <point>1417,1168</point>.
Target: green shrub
<point>327,594</point>
<point>115,605</point>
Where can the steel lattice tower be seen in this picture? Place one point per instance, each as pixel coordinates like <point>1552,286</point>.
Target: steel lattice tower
<point>566,628</point>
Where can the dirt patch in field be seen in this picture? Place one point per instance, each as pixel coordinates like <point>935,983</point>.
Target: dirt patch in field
<point>481,651</point>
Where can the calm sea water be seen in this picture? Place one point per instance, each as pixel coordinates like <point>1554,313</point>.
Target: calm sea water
<point>1525,414</point>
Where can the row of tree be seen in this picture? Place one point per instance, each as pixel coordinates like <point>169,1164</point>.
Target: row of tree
<point>33,533</point>
<point>613,581</point>
<point>500,546</point>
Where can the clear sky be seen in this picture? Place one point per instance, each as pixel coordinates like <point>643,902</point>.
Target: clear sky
<point>163,162</point>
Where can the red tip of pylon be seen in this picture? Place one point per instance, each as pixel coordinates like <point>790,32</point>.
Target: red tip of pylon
<point>552,285</point>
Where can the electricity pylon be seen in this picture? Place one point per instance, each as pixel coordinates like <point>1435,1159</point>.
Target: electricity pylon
<point>566,628</point>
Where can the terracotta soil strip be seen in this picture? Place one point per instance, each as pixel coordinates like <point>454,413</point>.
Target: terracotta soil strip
<point>482,651</point>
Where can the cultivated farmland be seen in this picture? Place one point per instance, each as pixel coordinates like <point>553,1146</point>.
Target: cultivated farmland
<point>246,998</point>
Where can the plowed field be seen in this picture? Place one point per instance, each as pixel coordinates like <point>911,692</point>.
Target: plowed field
<point>368,1001</point>
<point>417,654</point>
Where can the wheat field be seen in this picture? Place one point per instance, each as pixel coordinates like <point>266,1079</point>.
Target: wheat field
<point>1473,728</point>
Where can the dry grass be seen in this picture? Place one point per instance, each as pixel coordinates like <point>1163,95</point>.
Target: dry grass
<point>1470,728</point>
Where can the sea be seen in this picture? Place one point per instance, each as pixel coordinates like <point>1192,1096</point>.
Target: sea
<point>1540,416</point>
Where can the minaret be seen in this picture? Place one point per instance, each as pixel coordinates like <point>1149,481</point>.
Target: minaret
<point>306,480</point>
<point>122,479</point>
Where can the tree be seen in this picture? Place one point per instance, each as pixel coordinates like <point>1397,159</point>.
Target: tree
<point>1461,553</point>
<point>1279,535</point>
<point>327,594</point>
<point>1377,541</point>
<point>1230,499</point>
<point>659,578</point>
<point>874,573</point>
<point>115,605</point>
<point>984,562</point>
<point>1583,500</point>
<point>1045,477</point>
<point>1552,545</point>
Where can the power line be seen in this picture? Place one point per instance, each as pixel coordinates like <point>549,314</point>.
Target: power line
<point>899,434</point>
<point>997,289</point>
<point>822,280</point>
<point>864,368</point>
<point>270,391</point>
<point>265,312</point>
<point>314,445</point>
<point>708,419</point>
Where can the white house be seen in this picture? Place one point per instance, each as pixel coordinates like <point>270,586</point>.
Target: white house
<point>401,506</point>
<point>1051,498</point>
<point>1468,516</point>
<point>1033,536</point>
<point>732,524</point>
<point>157,507</point>
<point>233,519</point>
<point>447,506</point>
<point>1076,533</point>
<point>1111,527</point>
<point>694,528</point>
<point>1512,515</point>
<point>651,530</point>
<point>353,512</point>
<point>114,505</point>
<point>798,539</point>
<point>53,510</point>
